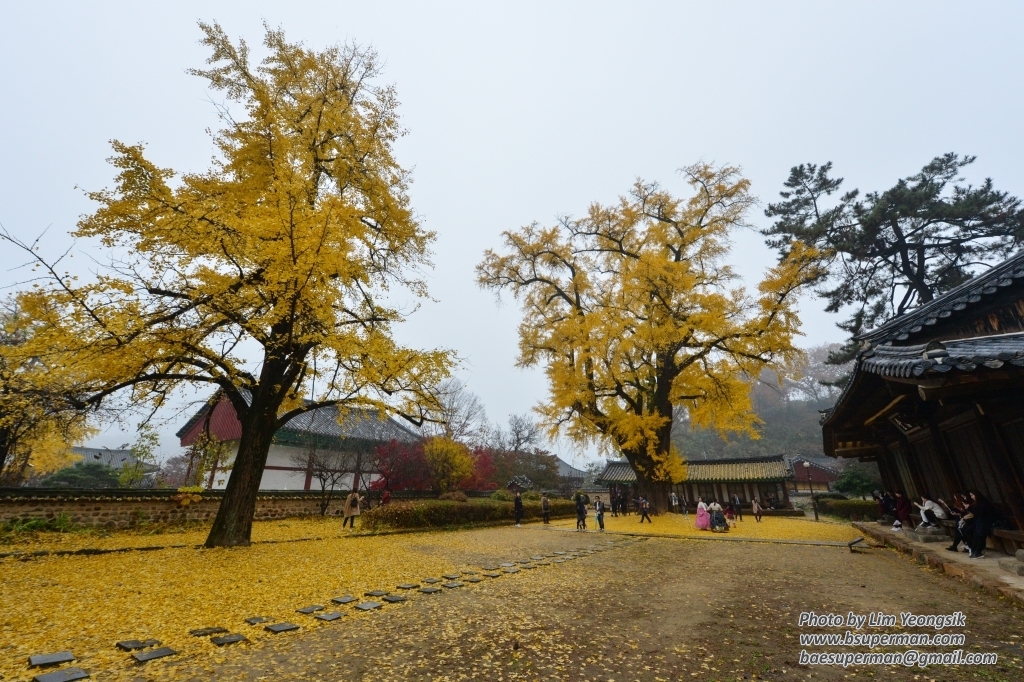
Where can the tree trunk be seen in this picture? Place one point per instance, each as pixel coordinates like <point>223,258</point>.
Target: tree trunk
<point>233,525</point>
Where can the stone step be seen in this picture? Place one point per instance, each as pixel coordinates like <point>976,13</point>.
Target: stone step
<point>925,537</point>
<point>1012,565</point>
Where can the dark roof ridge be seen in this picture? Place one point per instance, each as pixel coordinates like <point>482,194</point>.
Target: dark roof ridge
<point>956,299</point>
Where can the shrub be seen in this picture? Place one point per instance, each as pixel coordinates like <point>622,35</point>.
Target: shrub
<point>449,462</point>
<point>443,513</point>
<point>532,495</point>
<point>502,495</point>
<point>849,509</point>
<point>454,496</point>
<point>829,496</point>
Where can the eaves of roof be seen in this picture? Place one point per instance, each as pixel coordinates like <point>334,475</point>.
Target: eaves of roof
<point>940,357</point>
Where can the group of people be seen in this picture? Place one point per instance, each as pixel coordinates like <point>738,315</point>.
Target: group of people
<point>971,512</point>
<point>716,518</point>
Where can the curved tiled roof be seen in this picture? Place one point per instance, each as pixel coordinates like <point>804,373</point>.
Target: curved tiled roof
<point>962,354</point>
<point>956,299</point>
<point>730,470</point>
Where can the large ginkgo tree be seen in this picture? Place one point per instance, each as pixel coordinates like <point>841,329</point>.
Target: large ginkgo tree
<point>264,276</point>
<point>633,312</point>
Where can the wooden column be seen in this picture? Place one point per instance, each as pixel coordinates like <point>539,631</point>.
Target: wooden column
<point>944,459</point>
<point>1011,484</point>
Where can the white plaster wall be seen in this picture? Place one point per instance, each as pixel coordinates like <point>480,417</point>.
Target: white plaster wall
<point>275,479</point>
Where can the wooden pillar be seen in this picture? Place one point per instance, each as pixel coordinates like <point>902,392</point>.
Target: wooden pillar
<point>785,496</point>
<point>944,459</point>
<point>1013,489</point>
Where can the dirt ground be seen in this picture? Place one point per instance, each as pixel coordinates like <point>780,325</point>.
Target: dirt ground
<point>644,609</point>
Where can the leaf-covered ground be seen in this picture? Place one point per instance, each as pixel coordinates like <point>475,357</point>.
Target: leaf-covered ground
<point>656,608</point>
<point>770,527</point>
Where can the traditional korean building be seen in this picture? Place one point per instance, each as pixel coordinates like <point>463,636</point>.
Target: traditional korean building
<point>762,477</point>
<point>814,477</point>
<point>358,433</point>
<point>936,395</point>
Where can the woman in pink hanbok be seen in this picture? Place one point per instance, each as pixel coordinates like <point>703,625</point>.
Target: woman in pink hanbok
<point>703,518</point>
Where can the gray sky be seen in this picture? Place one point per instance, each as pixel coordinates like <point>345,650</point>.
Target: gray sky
<point>522,111</point>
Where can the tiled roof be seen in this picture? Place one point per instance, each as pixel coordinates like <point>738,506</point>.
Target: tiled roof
<point>959,298</point>
<point>115,459</point>
<point>941,357</point>
<point>735,470</point>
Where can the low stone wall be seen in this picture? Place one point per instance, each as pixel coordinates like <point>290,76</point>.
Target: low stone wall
<point>126,508</point>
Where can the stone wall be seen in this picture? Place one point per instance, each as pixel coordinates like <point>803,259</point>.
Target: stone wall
<point>125,508</point>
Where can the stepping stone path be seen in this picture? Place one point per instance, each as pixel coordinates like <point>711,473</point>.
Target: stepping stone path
<point>474,579</point>
<point>312,608</point>
<point>557,561</point>
<point>153,654</point>
<point>66,675</point>
<point>536,558</point>
<point>278,628</point>
<point>469,572</point>
<point>329,616</point>
<point>558,553</point>
<point>511,570</point>
<point>368,605</point>
<point>50,659</point>
<point>430,590</point>
<point>408,586</point>
<point>451,576</point>
<point>452,585</point>
<point>375,593</point>
<point>233,638</point>
<point>394,598</point>
<point>346,599</point>
<point>529,566</point>
<point>256,620</point>
<point>543,563</point>
<point>490,568</point>
<point>135,644</point>
<point>431,581</point>
<point>206,632</point>
<point>491,574</point>
<point>509,564</point>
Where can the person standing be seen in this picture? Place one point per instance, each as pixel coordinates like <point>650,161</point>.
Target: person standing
<point>902,510</point>
<point>581,512</point>
<point>755,507</point>
<point>352,510</point>
<point>385,498</point>
<point>673,502</point>
<point>643,507</point>
<point>982,512</point>
<point>599,513</point>
<point>517,506</point>
<point>737,506</point>
<point>545,508</point>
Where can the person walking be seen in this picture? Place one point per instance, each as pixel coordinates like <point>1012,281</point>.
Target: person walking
<point>545,508</point>
<point>643,507</point>
<point>352,510</point>
<point>737,506</point>
<point>517,506</point>
<point>755,507</point>
<point>673,501</point>
<point>599,513</point>
<point>581,512</point>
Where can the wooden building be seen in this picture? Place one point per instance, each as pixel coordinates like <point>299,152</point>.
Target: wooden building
<point>936,395</point>
<point>813,478</point>
<point>763,477</point>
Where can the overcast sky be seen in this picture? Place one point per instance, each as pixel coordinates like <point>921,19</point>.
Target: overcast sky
<point>523,111</point>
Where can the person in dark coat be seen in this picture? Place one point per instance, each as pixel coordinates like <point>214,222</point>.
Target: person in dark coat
<point>644,508</point>
<point>903,509</point>
<point>983,515</point>
<point>581,513</point>
<point>545,507</point>
<point>517,505</point>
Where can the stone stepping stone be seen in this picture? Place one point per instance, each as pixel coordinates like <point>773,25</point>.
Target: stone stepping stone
<point>469,572</point>
<point>329,616</point>
<point>375,593</point>
<point>536,558</point>
<point>431,581</point>
<point>451,576</point>
<point>528,566</point>
<point>492,574</point>
<point>206,632</point>
<point>368,605</point>
<point>153,654</point>
<point>256,620</point>
<point>474,579</point>
<point>543,563</point>
<point>558,553</point>
<point>408,586</point>
<point>430,590</point>
<point>490,568</point>
<point>510,570</point>
<point>50,659</point>
<point>233,638</point>
<point>558,561</point>
<point>523,561</point>
<point>278,628</point>
<point>394,598</point>
<point>65,675</point>
<point>509,564</point>
<point>312,608</point>
<point>346,599</point>
<point>452,585</point>
<point>135,644</point>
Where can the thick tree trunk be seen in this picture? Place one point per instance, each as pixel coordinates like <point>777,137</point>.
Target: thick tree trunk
<point>233,525</point>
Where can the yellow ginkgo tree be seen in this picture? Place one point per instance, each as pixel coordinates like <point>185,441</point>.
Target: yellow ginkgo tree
<point>264,276</point>
<point>632,311</point>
